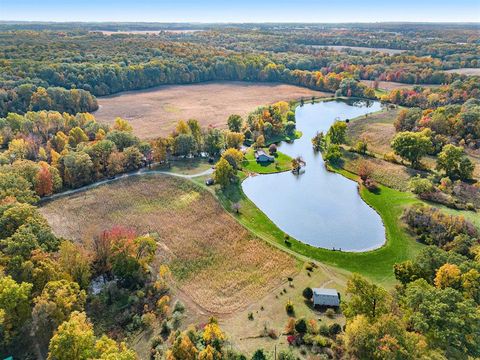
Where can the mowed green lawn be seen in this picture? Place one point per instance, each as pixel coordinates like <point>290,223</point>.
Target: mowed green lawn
<point>377,265</point>
<point>282,163</point>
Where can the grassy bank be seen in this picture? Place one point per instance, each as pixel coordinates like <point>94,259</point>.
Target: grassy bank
<point>376,265</point>
<point>282,163</point>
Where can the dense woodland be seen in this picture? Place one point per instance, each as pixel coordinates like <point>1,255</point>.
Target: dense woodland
<point>50,142</point>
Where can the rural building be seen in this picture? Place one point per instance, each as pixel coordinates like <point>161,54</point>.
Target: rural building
<point>325,297</point>
<point>261,156</point>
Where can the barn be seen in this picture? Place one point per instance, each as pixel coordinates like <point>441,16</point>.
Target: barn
<point>326,297</point>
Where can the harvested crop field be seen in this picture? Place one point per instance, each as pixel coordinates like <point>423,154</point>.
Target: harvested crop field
<point>216,262</point>
<point>466,71</point>
<point>392,85</point>
<point>154,112</point>
<point>361,49</point>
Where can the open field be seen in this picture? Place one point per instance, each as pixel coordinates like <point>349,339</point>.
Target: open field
<point>392,85</point>
<point>377,129</point>
<point>270,312</point>
<point>361,49</point>
<point>216,262</point>
<point>466,71</point>
<point>154,112</point>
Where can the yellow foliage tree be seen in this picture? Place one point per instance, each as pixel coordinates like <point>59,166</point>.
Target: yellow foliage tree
<point>448,275</point>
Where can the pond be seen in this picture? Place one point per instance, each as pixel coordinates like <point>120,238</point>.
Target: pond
<point>317,207</point>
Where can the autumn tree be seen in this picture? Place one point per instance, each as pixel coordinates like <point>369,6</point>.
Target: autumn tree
<point>122,125</point>
<point>234,139</point>
<point>76,261</point>
<point>234,157</point>
<point>448,275</point>
<point>55,304</point>
<point>75,340</point>
<point>224,173</point>
<point>44,181</point>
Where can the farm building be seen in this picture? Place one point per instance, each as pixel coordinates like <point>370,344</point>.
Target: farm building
<point>261,156</point>
<point>325,297</point>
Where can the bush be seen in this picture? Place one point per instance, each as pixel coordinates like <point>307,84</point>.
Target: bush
<point>301,326</point>
<point>308,293</point>
<point>420,185</point>
<point>148,319</point>
<point>165,328</point>
<point>290,308</point>
<point>179,307</point>
<point>334,329</point>
<point>330,313</point>
<point>250,316</point>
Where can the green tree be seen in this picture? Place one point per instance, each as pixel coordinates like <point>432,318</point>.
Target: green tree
<point>455,163</point>
<point>184,144</point>
<point>132,158</point>
<point>214,142</point>
<point>445,317</point>
<point>14,306</point>
<point>235,123</point>
<point>78,169</point>
<point>365,298</point>
<point>338,132</point>
<point>411,146</point>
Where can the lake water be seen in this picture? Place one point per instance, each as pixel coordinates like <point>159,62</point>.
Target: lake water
<point>318,207</point>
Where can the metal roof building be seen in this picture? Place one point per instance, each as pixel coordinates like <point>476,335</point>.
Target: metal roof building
<point>325,297</point>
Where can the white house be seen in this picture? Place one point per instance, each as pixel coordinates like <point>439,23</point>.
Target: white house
<point>325,297</point>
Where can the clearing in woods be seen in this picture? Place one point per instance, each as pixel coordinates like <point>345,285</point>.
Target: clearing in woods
<point>217,263</point>
<point>155,112</point>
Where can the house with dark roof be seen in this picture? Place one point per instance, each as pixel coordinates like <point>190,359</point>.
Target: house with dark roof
<point>262,157</point>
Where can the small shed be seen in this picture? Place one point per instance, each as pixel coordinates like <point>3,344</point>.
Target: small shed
<point>261,156</point>
<point>325,297</point>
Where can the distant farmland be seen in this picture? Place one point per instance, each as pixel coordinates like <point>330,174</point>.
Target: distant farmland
<point>361,49</point>
<point>466,71</point>
<point>154,112</point>
<point>216,262</point>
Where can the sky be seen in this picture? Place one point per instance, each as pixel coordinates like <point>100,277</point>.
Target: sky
<point>320,11</point>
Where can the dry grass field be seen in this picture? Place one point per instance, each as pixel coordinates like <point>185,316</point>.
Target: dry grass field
<point>466,71</point>
<point>392,85</point>
<point>376,128</point>
<point>218,264</point>
<point>361,49</point>
<point>154,112</point>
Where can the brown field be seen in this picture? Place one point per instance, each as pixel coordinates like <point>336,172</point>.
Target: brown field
<point>376,128</point>
<point>154,112</point>
<point>466,71</point>
<point>361,49</point>
<point>219,266</point>
<point>146,32</point>
<point>392,85</point>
